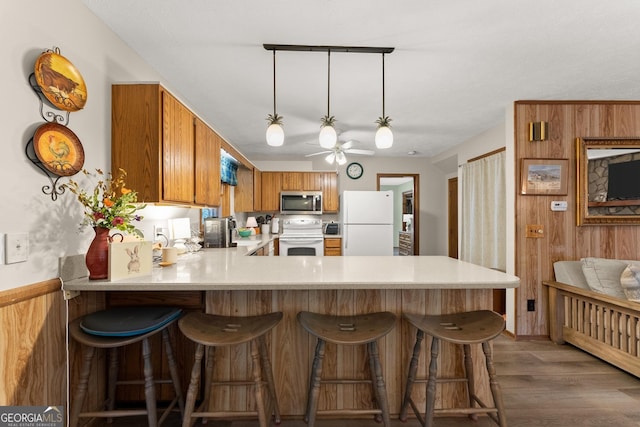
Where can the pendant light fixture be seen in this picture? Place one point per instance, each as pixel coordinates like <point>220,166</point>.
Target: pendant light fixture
<point>328,136</point>
<point>275,133</point>
<point>384,136</point>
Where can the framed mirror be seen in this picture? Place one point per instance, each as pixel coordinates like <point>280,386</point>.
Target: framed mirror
<point>608,181</point>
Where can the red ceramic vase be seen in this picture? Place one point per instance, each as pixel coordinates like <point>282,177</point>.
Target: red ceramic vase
<point>97,257</point>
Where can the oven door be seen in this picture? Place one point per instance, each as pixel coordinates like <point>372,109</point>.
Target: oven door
<point>296,246</point>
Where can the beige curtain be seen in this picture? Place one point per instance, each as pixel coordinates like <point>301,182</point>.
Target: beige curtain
<point>483,234</point>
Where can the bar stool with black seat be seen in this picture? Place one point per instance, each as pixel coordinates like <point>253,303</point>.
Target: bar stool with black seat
<point>466,328</point>
<point>115,328</point>
<point>364,329</point>
<point>211,331</point>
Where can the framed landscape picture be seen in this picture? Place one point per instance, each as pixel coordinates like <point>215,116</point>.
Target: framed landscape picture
<point>544,176</point>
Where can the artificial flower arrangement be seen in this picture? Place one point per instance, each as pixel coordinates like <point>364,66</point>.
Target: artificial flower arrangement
<point>111,204</point>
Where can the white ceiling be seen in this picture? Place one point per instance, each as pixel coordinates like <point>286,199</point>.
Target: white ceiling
<point>456,64</point>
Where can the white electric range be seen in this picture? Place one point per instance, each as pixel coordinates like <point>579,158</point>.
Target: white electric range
<point>301,235</point>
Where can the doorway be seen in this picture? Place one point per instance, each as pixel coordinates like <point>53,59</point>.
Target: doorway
<point>408,188</point>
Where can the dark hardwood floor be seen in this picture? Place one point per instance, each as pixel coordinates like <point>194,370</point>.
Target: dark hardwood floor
<point>543,385</point>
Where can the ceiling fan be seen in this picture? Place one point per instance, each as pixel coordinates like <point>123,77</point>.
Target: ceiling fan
<point>337,153</point>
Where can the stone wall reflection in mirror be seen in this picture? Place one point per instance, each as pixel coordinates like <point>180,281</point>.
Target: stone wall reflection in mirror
<point>611,188</point>
<point>608,181</point>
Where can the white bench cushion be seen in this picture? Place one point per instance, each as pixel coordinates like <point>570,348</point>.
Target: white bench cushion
<point>570,272</point>
<point>630,281</point>
<point>603,275</point>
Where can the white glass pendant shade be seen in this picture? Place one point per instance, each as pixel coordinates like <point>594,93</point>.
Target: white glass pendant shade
<point>384,137</point>
<point>341,159</point>
<point>330,158</point>
<point>275,135</point>
<point>328,137</point>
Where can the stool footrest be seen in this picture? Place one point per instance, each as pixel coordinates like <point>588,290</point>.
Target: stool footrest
<point>347,381</point>
<point>464,411</point>
<point>346,412</point>
<point>236,383</point>
<point>442,380</point>
<point>227,414</point>
<point>141,382</point>
<point>116,413</point>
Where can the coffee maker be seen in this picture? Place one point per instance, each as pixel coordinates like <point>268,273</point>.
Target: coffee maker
<point>219,232</point>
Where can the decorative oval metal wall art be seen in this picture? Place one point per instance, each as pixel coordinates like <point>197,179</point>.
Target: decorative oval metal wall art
<point>60,82</point>
<point>58,149</point>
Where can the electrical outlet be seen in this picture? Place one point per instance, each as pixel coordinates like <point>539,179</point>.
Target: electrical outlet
<point>2,248</point>
<point>67,295</point>
<point>531,305</point>
<point>16,247</point>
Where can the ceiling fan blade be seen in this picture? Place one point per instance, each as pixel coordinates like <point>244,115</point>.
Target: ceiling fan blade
<point>347,145</point>
<point>357,151</point>
<point>318,154</point>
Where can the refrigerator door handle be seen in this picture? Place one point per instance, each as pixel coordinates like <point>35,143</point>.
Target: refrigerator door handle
<point>345,237</point>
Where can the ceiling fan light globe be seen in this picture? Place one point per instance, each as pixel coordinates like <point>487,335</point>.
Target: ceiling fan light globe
<point>328,137</point>
<point>384,137</point>
<point>330,158</point>
<point>341,159</point>
<point>275,135</point>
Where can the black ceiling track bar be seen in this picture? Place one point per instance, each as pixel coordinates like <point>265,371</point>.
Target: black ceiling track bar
<point>347,49</point>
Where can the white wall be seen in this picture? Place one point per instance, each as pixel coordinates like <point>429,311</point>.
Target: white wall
<point>27,28</point>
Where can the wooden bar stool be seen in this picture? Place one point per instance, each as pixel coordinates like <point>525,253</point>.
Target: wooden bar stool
<point>364,329</point>
<point>211,331</point>
<point>474,327</point>
<point>115,328</point>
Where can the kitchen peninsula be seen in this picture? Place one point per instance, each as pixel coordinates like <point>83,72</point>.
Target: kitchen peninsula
<point>235,284</point>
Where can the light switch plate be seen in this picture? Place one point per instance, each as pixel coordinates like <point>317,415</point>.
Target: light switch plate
<point>16,247</point>
<point>535,231</point>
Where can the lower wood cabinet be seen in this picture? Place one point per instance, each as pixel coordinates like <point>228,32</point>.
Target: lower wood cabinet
<point>332,246</point>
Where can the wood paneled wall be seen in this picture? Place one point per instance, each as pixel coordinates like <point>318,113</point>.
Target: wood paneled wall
<point>32,349</point>
<point>33,322</point>
<point>563,240</point>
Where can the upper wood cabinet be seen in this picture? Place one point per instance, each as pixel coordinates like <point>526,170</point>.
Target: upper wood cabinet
<point>330,199</point>
<point>178,151</point>
<point>257,190</point>
<point>275,182</point>
<point>225,202</point>
<point>169,155</point>
<point>271,187</point>
<point>207,162</point>
<point>305,181</point>
<point>243,192</point>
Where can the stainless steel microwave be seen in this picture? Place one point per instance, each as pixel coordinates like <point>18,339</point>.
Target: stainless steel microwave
<point>301,202</point>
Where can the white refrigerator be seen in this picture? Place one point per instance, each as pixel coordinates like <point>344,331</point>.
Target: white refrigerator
<point>367,222</point>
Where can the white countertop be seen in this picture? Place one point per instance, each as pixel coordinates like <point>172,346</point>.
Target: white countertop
<point>231,269</point>
<point>255,241</point>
